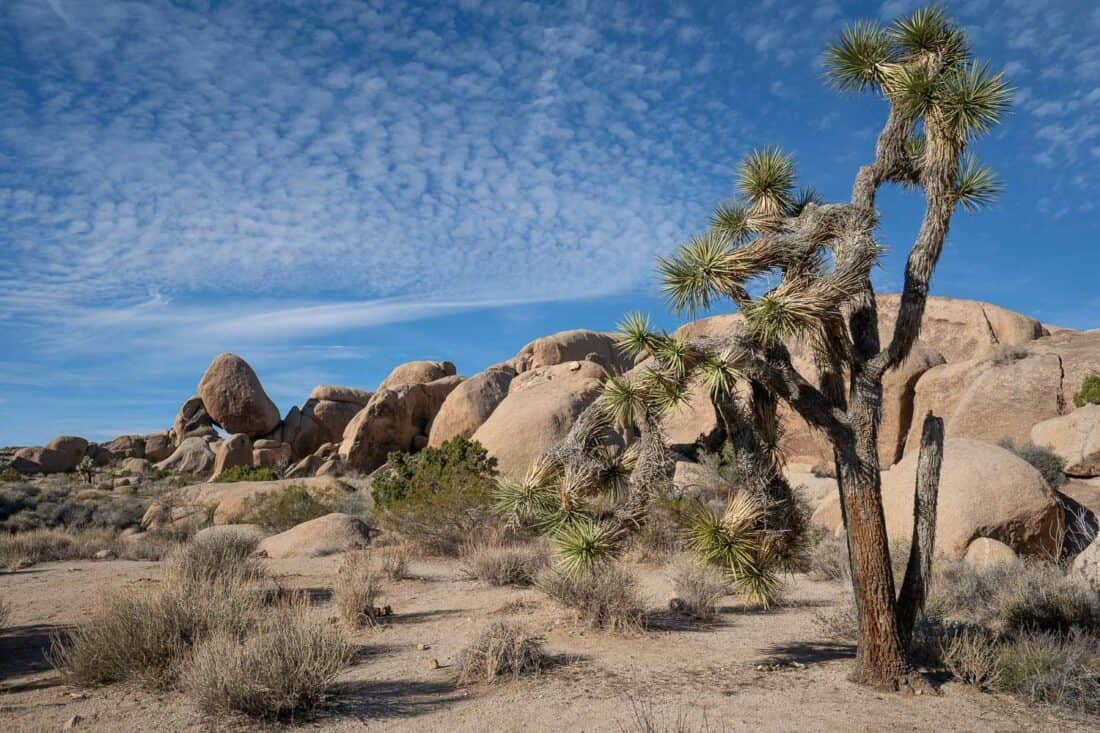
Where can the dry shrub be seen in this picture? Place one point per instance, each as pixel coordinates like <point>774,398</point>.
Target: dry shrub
<point>970,655</point>
<point>144,635</point>
<point>287,508</point>
<point>828,558</point>
<point>502,650</point>
<point>358,588</point>
<point>498,565</point>
<point>395,561</point>
<point>698,587</point>
<point>24,549</point>
<point>841,624</point>
<point>645,719</point>
<point>5,615</point>
<point>155,544</point>
<point>217,559</point>
<point>1053,670</point>
<point>662,535</point>
<point>283,668</point>
<point>607,598</point>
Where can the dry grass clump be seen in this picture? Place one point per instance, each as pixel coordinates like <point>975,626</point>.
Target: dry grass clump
<point>358,588</point>
<point>218,559</point>
<point>645,719</point>
<point>503,650</point>
<point>155,544</point>
<point>500,565</point>
<point>395,561</point>
<point>143,636</point>
<point>828,558</point>
<point>284,667</point>
<point>698,588</point>
<point>971,656</point>
<point>1050,669</point>
<point>5,615</point>
<point>23,549</point>
<point>607,598</point>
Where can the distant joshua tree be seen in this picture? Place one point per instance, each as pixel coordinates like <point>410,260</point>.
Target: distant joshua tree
<point>820,255</point>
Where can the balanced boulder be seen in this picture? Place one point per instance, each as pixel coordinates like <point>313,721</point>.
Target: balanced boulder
<point>233,396</point>
<point>470,404</point>
<point>325,535</point>
<point>417,372</point>
<point>333,393</point>
<point>541,406</point>
<point>1075,438</point>
<point>192,419</point>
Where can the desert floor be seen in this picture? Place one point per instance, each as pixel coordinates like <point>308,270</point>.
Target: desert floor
<point>747,670</point>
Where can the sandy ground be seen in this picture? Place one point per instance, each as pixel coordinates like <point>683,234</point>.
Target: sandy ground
<point>747,670</point>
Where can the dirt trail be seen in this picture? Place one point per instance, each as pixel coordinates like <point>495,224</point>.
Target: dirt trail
<point>747,670</point>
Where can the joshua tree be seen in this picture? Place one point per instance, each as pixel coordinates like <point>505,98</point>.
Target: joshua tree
<point>939,99</point>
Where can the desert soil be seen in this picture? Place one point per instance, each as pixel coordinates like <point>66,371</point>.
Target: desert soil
<point>747,670</point>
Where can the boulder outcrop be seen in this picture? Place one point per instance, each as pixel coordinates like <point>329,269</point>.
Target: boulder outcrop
<point>417,372</point>
<point>192,419</point>
<point>325,535</point>
<point>470,405</point>
<point>234,398</point>
<point>193,455</point>
<point>1075,438</point>
<point>574,345</point>
<point>233,452</point>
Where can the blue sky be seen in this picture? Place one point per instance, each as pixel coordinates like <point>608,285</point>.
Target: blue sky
<point>331,188</point>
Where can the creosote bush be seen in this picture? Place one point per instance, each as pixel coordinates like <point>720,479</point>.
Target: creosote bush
<point>282,510</point>
<point>503,565</point>
<point>246,473</point>
<point>607,599</point>
<point>1089,394</point>
<point>698,587</point>
<point>357,591</point>
<point>504,650</point>
<point>280,669</point>
<point>438,498</point>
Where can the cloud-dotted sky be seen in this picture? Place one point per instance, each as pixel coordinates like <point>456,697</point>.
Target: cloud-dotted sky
<point>327,187</point>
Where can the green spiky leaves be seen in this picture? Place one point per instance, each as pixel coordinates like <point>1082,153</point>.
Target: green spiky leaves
<point>853,62</point>
<point>730,221</point>
<point>698,273</point>
<point>633,335</point>
<point>976,186</point>
<point>584,545</point>
<point>622,399</point>
<point>766,179</point>
<point>973,99</point>
<point>733,541</point>
<point>721,371</point>
<point>926,32</point>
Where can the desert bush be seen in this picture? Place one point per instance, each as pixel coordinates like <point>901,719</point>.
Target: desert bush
<point>1007,354</point>
<point>606,599</point>
<point>1089,394</point>
<point>5,615</point>
<point>357,590</point>
<point>281,510</point>
<point>498,565</point>
<point>155,544</point>
<point>971,656</point>
<point>502,650</point>
<point>1053,670</point>
<point>281,669</point>
<point>439,498</point>
<point>698,587</point>
<point>827,558</point>
<point>1043,460</point>
<point>246,473</point>
<point>220,560</point>
<point>662,535</point>
<point>144,635</point>
<point>10,474</point>
<point>25,507</point>
<point>395,561</point>
<point>645,719</point>
<point>841,624</point>
<point>24,549</point>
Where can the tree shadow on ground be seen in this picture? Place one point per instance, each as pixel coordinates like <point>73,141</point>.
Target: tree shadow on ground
<point>23,652</point>
<point>809,652</point>
<point>387,699</point>
<point>668,620</point>
<point>419,617</point>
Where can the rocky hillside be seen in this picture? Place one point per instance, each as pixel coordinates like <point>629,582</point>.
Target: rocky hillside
<point>995,376</point>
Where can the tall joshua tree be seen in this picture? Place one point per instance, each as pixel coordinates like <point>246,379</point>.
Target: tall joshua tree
<point>938,99</point>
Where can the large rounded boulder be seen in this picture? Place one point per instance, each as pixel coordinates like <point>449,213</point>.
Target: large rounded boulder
<point>567,346</point>
<point>193,455</point>
<point>71,446</point>
<point>470,405</point>
<point>233,396</point>
<point>325,535</point>
<point>233,452</point>
<point>985,491</point>
<point>395,419</point>
<point>1075,438</point>
<point>41,460</point>
<point>541,406</point>
<point>417,372</point>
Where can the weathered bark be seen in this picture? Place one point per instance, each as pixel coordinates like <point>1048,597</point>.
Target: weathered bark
<point>914,589</point>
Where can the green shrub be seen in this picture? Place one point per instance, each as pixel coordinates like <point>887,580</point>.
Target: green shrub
<point>440,498</point>
<point>246,473</point>
<point>1090,391</point>
<point>10,474</point>
<point>281,510</point>
<point>606,599</point>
